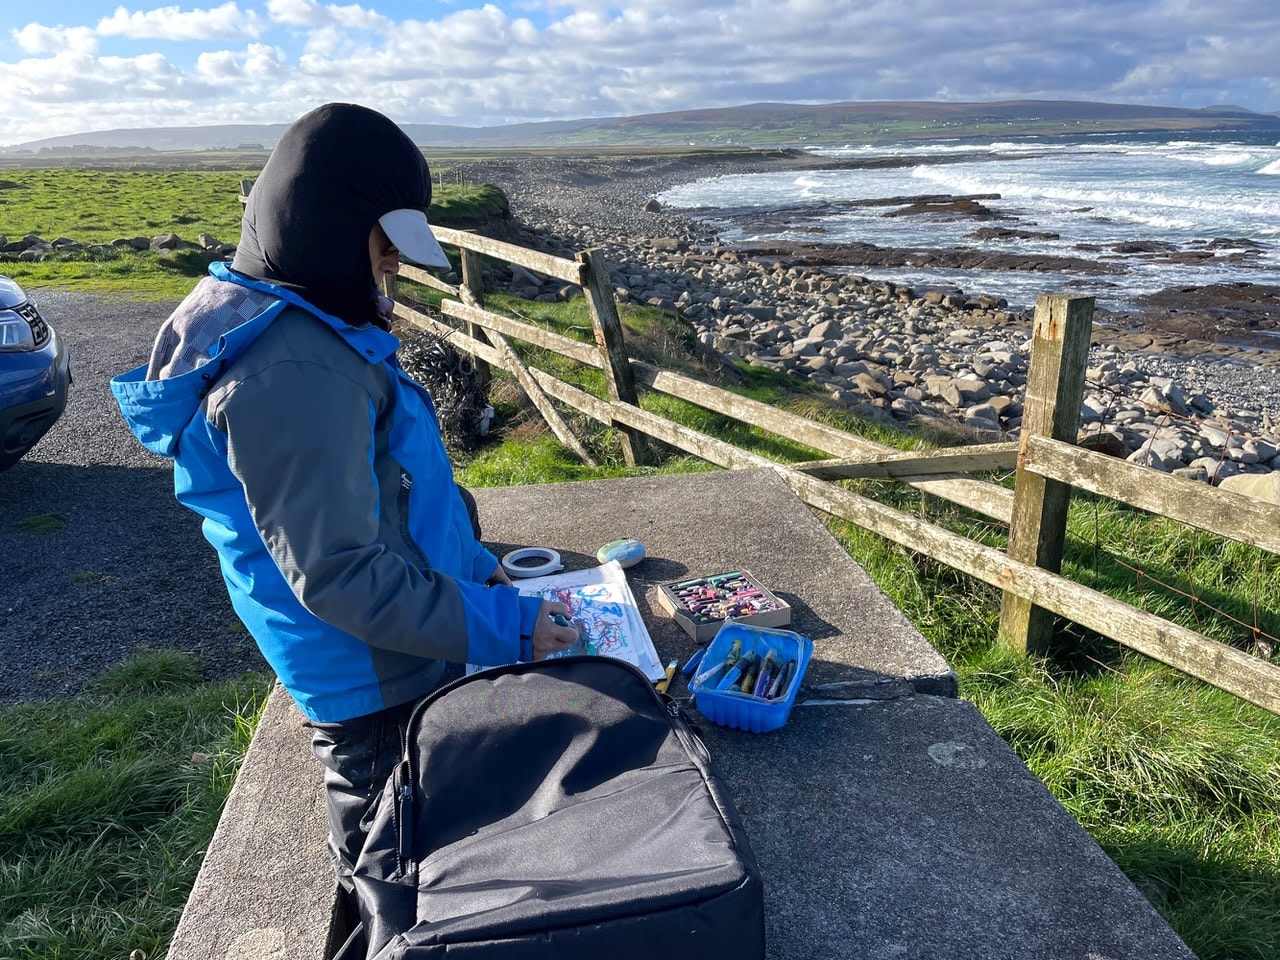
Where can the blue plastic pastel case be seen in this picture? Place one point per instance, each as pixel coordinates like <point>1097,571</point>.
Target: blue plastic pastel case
<point>741,711</point>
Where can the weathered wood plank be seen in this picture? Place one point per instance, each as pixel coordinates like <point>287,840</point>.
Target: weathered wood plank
<point>544,263</point>
<point>540,399</point>
<point>683,438</point>
<point>916,463</point>
<point>1055,386</point>
<point>456,338</point>
<point>607,326</point>
<point>1188,501</point>
<point>811,433</point>
<point>980,496</point>
<point>574,349</point>
<point>418,275</point>
<point>1216,663</point>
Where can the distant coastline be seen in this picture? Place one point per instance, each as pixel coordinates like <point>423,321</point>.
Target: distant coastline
<point>760,125</point>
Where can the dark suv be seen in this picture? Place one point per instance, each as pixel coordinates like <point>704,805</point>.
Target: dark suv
<point>35,373</point>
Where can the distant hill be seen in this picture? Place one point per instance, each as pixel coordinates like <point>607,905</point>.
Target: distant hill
<point>751,125</point>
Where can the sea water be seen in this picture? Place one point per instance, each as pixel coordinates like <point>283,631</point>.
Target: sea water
<point>1094,192</point>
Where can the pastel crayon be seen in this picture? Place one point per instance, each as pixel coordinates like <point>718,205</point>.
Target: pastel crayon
<point>746,662</point>
<point>735,651</point>
<point>784,680</point>
<point>766,669</point>
<point>706,676</point>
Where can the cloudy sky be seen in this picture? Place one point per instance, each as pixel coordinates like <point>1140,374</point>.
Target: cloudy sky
<point>73,66</point>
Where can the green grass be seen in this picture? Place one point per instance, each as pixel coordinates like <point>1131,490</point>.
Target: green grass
<point>107,802</point>
<point>96,207</point>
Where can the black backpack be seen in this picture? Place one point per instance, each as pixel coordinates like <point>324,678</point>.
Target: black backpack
<point>559,809</point>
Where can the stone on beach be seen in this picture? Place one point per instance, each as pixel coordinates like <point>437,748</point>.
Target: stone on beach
<point>884,349</point>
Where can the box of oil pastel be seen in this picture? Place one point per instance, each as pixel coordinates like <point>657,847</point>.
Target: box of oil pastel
<point>749,677</point>
<point>704,604</point>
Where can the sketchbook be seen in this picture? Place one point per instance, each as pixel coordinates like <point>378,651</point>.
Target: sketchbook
<point>603,608</point>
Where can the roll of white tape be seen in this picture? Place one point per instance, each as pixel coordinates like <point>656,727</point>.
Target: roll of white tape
<point>517,562</point>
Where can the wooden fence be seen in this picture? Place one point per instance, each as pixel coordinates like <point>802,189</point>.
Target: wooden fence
<point>1046,461</point>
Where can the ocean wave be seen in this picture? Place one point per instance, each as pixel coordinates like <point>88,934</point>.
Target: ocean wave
<point>1178,190</point>
<point>1226,159</point>
<point>933,148</point>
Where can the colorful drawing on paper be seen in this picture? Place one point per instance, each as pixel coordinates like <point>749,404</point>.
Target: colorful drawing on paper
<point>603,608</point>
<point>598,613</point>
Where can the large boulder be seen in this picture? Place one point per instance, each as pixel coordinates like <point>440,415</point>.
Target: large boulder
<point>1260,486</point>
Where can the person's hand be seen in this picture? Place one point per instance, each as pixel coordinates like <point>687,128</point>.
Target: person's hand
<point>550,637</point>
<point>498,576</point>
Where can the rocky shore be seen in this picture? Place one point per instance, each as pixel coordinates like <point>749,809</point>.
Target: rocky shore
<point>1165,387</point>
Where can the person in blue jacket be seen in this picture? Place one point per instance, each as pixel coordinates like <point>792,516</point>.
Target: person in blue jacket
<point>316,463</point>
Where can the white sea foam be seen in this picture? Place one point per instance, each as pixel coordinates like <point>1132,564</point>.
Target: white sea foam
<point>1093,193</point>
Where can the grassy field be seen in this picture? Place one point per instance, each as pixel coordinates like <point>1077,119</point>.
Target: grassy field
<point>96,207</point>
<point>107,801</point>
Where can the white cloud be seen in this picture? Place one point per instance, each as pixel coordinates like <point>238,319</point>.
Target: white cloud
<point>172,23</point>
<point>310,13</point>
<point>258,61</point>
<point>35,38</point>
<point>476,62</point>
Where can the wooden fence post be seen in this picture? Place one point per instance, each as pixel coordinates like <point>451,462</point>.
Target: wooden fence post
<point>617,365</point>
<point>1055,386</point>
<point>473,293</point>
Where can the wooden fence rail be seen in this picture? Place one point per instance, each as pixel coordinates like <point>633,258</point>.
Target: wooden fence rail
<point>1046,462</point>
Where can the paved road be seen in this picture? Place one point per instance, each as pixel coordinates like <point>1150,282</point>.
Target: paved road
<point>129,569</point>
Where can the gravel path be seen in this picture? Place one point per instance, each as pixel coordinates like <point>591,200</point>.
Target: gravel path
<point>129,569</point>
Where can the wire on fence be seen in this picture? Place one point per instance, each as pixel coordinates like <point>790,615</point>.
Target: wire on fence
<point>1263,642</point>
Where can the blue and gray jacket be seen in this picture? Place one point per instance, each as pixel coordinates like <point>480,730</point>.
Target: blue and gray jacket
<point>318,468</point>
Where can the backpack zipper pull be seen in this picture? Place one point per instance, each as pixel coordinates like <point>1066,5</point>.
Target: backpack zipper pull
<point>404,813</point>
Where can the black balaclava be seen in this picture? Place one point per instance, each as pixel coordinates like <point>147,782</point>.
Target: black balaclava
<point>333,173</point>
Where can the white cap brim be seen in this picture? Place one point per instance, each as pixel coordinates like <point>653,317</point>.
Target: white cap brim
<point>410,232</point>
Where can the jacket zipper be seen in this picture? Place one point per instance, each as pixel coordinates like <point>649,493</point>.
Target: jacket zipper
<point>402,503</point>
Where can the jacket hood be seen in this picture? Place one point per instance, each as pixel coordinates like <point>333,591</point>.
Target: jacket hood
<point>213,325</point>
<point>207,332</point>
<point>306,226</point>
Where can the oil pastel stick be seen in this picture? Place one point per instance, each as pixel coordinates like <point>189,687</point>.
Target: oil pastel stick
<point>706,676</point>
<point>692,663</point>
<point>766,669</point>
<point>734,676</point>
<point>784,679</point>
